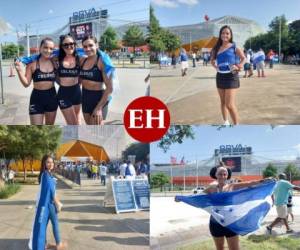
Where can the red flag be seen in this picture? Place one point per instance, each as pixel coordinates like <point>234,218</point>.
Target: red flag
<point>206,17</point>
<point>173,160</point>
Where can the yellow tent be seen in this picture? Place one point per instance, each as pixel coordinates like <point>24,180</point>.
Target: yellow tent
<point>199,44</point>
<point>72,150</point>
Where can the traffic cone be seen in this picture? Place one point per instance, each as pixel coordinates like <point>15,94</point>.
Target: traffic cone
<point>11,71</point>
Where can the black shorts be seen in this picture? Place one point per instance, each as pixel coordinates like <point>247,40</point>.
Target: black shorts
<point>217,230</point>
<point>90,99</point>
<point>42,101</point>
<point>228,81</point>
<point>69,96</point>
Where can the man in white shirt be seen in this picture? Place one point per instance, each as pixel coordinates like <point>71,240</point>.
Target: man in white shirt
<point>123,169</point>
<point>130,172</point>
<point>103,171</point>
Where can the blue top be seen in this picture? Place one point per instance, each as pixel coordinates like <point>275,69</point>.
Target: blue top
<point>281,192</point>
<point>183,57</point>
<point>226,58</point>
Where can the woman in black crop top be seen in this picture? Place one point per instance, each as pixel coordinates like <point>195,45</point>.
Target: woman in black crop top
<point>43,102</point>
<point>69,93</point>
<point>93,79</point>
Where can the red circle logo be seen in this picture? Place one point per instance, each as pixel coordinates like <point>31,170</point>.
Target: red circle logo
<point>146,119</point>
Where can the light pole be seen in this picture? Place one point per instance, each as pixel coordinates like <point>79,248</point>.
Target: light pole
<point>279,42</point>
<point>1,75</point>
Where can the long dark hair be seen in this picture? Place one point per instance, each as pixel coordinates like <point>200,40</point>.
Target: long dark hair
<point>62,53</point>
<point>89,37</point>
<point>219,43</point>
<point>43,166</point>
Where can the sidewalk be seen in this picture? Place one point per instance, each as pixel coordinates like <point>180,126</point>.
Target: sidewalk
<point>270,100</point>
<point>84,223</point>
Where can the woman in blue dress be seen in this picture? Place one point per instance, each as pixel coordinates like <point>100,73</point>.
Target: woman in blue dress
<point>228,60</point>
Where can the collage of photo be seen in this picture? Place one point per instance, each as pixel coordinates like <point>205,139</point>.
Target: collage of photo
<point>149,125</point>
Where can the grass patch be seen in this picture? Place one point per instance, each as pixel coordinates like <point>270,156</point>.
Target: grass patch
<point>252,242</point>
<point>9,190</point>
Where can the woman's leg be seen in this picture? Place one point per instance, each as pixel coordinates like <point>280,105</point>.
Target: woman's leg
<point>224,110</point>
<point>50,117</point>
<point>77,113</point>
<point>233,243</point>
<point>230,104</point>
<point>55,224</point>
<point>87,118</point>
<point>219,242</point>
<point>37,119</point>
<point>70,115</point>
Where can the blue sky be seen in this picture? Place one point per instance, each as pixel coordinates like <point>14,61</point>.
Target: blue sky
<point>180,12</point>
<point>19,12</point>
<point>282,142</point>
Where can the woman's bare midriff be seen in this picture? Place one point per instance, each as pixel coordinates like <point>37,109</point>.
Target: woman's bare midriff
<point>43,85</point>
<point>69,81</point>
<point>90,85</point>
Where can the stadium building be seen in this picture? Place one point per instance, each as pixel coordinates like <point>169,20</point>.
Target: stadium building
<point>245,165</point>
<point>81,23</point>
<point>203,33</point>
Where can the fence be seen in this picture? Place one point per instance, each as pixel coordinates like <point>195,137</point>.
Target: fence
<point>72,175</point>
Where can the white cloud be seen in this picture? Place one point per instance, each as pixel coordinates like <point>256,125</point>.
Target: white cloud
<point>174,3</point>
<point>50,11</point>
<point>165,3</point>
<point>188,2</point>
<point>297,147</point>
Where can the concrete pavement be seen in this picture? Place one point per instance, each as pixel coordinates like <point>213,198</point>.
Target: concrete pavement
<point>84,223</point>
<point>270,100</point>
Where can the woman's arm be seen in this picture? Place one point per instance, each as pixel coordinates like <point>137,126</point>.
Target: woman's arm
<point>108,84</point>
<point>242,57</point>
<point>24,78</point>
<point>213,60</point>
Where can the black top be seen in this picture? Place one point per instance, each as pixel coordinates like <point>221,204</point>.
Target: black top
<point>68,72</point>
<point>39,76</point>
<point>94,74</point>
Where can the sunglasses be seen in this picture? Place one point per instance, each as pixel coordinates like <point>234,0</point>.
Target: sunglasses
<point>68,45</point>
<point>88,46</point>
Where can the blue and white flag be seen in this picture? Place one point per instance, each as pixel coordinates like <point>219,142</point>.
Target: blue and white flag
<point>258,57</point>
<point>241,211</point>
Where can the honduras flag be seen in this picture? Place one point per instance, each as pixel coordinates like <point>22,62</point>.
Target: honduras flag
<point>241,211</point>
<point>258,57</point>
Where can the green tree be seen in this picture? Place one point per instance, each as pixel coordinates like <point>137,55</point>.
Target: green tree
<point>292,172</point>
<point>11,50</point>
<point>29,142</point>
<point>270,171</point>
<point>134,37</point>
<point>175,134</point>
<point>140,150</point>
<point>170,40</point>
<point>109,40</point>
<point>159,180</point>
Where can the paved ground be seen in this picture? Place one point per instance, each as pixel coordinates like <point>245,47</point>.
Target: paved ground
<point>271,100</point>
<point>177,224</point>
<point>84,223</point>
<point>15,109</point>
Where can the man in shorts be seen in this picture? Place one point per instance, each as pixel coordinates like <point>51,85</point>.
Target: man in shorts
<point>281,194</point>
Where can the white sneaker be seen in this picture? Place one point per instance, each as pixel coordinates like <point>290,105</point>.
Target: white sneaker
<point>226,123</point>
